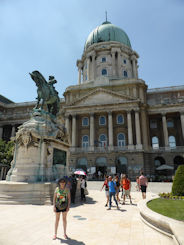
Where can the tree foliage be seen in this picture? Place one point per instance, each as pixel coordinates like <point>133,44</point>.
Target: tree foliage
<point>6,151</point>
<point>178,183</point>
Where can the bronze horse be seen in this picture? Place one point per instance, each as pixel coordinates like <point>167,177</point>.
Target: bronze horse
<point>46,92</point>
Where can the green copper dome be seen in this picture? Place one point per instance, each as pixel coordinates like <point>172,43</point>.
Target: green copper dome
<point>107,32</point>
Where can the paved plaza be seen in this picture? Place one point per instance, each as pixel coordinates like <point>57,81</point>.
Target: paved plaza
<point>90,223</point>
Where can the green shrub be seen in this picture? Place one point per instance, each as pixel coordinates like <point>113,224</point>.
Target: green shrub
<point>6,151</point>
<point>178,183</point>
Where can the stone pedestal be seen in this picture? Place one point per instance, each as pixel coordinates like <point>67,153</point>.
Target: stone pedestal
<point>40,157</point>
<point>41,151</point>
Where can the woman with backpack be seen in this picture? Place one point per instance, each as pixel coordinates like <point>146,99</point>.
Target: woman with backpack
<point>61,204</point>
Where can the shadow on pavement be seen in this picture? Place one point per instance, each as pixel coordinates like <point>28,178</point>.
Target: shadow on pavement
<point>89,200</point>
<point>70,241</point>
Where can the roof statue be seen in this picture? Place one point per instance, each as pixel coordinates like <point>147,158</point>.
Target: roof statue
<point>46,92</point>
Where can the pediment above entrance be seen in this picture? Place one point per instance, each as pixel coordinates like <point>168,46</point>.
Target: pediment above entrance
<point>102,96</point>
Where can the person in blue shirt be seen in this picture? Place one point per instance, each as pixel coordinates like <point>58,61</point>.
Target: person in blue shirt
<point>112,192</point>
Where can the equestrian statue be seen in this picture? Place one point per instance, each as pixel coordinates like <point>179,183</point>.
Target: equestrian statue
<point>46,92</point>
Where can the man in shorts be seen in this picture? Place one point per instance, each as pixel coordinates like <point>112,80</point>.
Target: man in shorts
<point>126,185</point>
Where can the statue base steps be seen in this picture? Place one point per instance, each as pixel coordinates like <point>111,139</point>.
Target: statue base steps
<point>26,193</point>
<point>21,193</point>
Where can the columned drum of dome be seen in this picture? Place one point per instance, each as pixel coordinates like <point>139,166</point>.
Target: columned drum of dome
<point>105,33</point>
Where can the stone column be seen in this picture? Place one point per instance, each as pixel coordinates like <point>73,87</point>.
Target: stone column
<point>133,58</point>
<point>119,64</point>
<point>1,132</point>
<point>135,92</point>
<point>110,130</point>
<point>145,130</point>
<point>79,76</point>
<point>113,64</point>
<point>141,94</point>
<point>94,66</point>
<point>164,124</point>
<point>74,130</point>
<point>138,130</point>
<point>79,65</point>
<point>130,136</point>
<point>182,122</point>
<point>13,131</point>
<point>88,68</point>
<point>92,131</point>
<point>67,126</point>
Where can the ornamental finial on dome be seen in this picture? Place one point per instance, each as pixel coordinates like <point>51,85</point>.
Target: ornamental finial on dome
<point>106,21</point>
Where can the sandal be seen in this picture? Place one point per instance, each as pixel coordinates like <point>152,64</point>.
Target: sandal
<point>54,237</point>
<point>65,236</point>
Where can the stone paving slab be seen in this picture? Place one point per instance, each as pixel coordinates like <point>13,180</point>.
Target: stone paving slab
<point>90,224</point>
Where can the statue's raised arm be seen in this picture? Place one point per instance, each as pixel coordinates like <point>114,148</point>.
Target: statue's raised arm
<point>46,92</point>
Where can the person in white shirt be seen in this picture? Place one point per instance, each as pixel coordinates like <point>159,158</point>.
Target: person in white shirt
<point>83,186</point>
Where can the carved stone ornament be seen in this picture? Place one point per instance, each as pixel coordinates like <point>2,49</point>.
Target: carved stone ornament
<point>23,137</point>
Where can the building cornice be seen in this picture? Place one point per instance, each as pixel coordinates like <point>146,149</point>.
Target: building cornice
<point>165,89</point>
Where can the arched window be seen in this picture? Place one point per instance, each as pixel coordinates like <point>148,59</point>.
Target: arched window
<point>102,120</point>
<point>104,72</point>
<point>124,61</point>
<point>82,163</point>
<point>120,119</point>
<point>85,121</point>
<point>170,123</point>
<point>125,73</point>
<point>101,161</point>
<point>103,140</point>
<point>172,141</point>
<point>103,59</point>
<point>121,140</point>
<point>159,161</point>
<point>155,142</point>
<point>85,141</point>
<point>121,166</point>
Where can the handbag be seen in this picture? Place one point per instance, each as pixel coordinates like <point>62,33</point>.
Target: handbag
<point>61,205</point>
<point>86,192</point>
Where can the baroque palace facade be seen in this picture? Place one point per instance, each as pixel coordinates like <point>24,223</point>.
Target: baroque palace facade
<point>115,123</point>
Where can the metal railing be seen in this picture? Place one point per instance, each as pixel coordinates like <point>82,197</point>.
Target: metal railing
<point>123,148</point>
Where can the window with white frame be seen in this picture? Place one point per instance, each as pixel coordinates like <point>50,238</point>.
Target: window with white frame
<point>102,120</point>
<point>155,142</point>
<point>172,141</point>
<point>103,59</point>
<point>120,119</point>
<point>153,124</point>
<point>121,140</point>
<point>85,141</point>
<point>85,121</point>
<point>104,72</point>
<point>103,140</point>
<point>170,123</point>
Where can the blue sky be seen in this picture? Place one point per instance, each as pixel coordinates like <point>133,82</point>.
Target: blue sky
<point>49,36</point>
